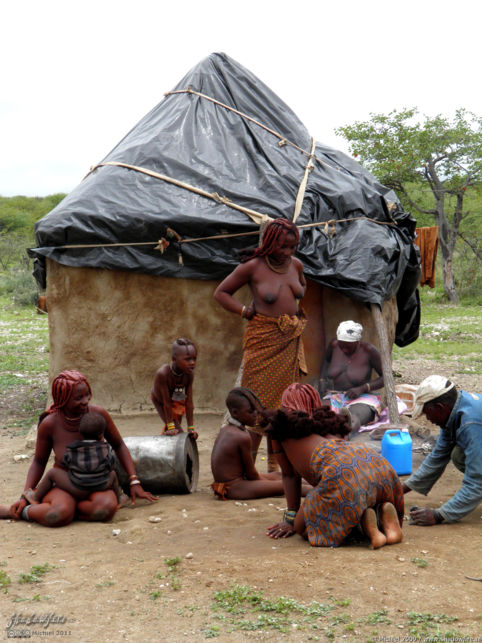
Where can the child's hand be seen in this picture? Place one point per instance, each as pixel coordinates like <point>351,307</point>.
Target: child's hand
<point>193,434</point>
<point>174,431</point>
<point>17,508</point>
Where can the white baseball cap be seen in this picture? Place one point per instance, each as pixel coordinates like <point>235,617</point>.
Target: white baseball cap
<point>432,387</point>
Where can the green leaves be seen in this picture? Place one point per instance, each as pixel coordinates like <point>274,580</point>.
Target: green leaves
<point>434,163</point>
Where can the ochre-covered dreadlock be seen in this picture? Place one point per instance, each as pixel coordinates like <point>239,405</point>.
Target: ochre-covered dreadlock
<point>300,397</point>
<point>62,388</point>
<point>297,424</point>
<point>274,236</point>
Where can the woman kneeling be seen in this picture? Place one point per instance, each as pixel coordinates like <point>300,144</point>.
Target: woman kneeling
<point>353,484</point>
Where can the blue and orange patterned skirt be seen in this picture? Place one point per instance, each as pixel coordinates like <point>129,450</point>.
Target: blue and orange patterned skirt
<point>351,478</point>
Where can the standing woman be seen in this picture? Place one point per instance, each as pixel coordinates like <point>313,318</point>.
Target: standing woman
<point>57,428</point>
<point>273,354</point>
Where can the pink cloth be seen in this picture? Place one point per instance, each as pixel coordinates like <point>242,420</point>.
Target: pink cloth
<point>384,419</point>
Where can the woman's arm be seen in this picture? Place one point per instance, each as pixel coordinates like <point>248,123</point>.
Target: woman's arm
<point>114,438</point>
<point>43,448</point>
<point>292,489</point>
<point>323,384</point>
<point>233,282</point>
<point>376,363</point>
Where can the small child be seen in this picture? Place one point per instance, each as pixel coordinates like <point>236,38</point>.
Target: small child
<point>232,464</point>
<point>88,466</point>
<point>172,390</point>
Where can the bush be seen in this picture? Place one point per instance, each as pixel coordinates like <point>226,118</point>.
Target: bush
<point>21,286</point>
<point>13,250</point>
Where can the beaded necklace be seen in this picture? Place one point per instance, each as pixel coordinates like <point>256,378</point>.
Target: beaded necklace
<point>178,395</point>
<point>281,271</point>
<point>231,420</point>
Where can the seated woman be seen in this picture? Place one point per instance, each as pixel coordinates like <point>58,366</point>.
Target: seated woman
<point>58,427</point>
<point>353,485</point>
<point>348,364</point>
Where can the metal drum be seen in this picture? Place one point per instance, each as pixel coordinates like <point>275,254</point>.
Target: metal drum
<point>164,463</point>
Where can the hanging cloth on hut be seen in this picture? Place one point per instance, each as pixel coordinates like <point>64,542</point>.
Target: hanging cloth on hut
<point>427,241</point>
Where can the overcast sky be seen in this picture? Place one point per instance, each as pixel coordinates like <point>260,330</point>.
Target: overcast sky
<point>76,77</point>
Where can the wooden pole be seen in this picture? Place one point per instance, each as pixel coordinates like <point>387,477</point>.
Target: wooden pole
<point>386,364</point>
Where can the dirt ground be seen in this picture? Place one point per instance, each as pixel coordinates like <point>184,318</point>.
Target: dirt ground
<point>119,587</point>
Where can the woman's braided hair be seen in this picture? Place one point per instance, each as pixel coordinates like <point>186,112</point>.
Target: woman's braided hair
<point>274,236</point>
<point>297,424</point>
<point>301,397</point>
<point>62,388</point>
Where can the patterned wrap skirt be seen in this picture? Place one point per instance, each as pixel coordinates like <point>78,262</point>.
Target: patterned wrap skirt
<point>351,478</point>
<point>339,401</point>
<point>273,356</point>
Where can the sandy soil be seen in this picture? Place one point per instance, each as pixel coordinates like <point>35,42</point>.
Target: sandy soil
<point>107,587</point>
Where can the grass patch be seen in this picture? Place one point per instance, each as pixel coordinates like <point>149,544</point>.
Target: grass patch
<point>36,573</point>
<point>379,616</point>
<point>448,331</point>
<point>172,579</point>
<point>35,599</point>
<point>5,581</point>
<point>429,626</point>
<point>241,608</point>
<point>420,562</point>
<point>24,362</point>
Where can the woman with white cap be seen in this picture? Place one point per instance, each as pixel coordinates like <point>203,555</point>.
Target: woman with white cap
<point>346,375</point>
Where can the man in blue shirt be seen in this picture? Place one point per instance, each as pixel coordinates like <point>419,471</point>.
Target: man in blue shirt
<point>459,415</point>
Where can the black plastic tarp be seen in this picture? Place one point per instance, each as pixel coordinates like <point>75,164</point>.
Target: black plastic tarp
<point>256,165</point>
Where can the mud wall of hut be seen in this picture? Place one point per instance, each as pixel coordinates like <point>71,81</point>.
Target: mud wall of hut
<point>117,328</point>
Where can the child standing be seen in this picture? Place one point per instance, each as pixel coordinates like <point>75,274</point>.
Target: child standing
<point>88,463</point>
<point>172,390</point>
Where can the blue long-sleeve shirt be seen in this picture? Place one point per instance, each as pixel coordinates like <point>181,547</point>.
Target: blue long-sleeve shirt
<point>463,428</point>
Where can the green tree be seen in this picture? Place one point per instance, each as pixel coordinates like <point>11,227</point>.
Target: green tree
<point>408,154</point>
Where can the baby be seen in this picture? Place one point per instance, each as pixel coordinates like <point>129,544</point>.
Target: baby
<point>89,466</point>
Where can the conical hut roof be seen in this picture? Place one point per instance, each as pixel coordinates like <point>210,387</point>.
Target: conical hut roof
<point>220,154</point>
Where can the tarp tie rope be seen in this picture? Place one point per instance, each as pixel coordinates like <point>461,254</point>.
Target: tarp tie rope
<point>257,217</point>
<point>301,190</point>
<point>283,140</point>
<point>329,229</point>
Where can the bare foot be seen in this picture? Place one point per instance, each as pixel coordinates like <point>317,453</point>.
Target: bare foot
<point>369,523</point>
<point>30,496</point>
<point>390,524</point>
<point>5,511</point>
<point>123,500</point>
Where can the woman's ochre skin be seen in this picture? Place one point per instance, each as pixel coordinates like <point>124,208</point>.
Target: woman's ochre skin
<point>274,293</point>
<point>55,432</point>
